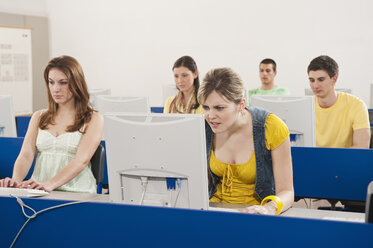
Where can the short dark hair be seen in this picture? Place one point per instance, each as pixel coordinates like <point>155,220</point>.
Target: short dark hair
<point>269,61</point>
<point>324,62</point>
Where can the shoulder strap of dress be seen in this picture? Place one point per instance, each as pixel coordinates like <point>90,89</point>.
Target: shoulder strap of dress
<point>83,128</point>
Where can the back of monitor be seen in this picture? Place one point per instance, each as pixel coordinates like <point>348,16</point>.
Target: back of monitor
<point>151,150</point>
<point>167,91</point>
<point>308,91</point>
<point>371,96</point>
<point>93,93</point>
<point>7,118</point>
<point>106,104</point>
<point>298,113</point>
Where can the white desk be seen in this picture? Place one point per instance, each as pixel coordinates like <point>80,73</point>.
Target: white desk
<point>60,195</point>
<point>325,214</point>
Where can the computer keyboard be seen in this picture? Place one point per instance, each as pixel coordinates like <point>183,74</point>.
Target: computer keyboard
<point>22,192</point>
<point>232,210</point>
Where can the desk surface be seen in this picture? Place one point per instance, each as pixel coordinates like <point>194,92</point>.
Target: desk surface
<point>325,215</point>
<point>70,196</point>
<point>292,212</point>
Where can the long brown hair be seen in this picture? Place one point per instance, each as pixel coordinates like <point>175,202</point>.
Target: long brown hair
<point>188,62</point>
<point>78,87</point>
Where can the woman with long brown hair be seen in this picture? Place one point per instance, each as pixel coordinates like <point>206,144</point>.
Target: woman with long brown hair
<point>64,136</point>
<point>187,82</point>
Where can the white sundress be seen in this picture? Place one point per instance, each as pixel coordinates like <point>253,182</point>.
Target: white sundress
<point>54,153</point>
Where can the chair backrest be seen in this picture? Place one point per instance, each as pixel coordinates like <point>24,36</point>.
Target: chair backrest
<point>369,204</point>
<point>370,112</point>
<point>98,164</point>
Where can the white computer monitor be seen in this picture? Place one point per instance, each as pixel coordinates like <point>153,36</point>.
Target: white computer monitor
<point>7,118</point>
<point>93,93</point>
<point>107,104</point>
<point>298,112</point>
<point>146,153</point>
<point>308,91</point>
<point>371,97</point>
<point>168,90</point>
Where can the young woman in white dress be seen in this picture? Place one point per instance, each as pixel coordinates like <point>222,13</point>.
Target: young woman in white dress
<point>64,136</point>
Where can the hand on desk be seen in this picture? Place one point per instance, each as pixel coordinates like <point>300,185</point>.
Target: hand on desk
<point>9,183</point>
<point>32,184</point>
<point>29,184</point>
<point>267,209</point>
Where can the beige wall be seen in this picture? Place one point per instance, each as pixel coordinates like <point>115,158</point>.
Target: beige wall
<point>130,46</point>
<point>40,51</point>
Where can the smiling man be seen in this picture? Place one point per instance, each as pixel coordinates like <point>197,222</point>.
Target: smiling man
<point>267,74</point>
<point>341,119</point>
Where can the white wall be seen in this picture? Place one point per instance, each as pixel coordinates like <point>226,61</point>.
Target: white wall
<point>24,7</point>
<point>130,46</point>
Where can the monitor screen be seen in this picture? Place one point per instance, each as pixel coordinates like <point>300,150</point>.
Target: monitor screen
<point>308,91</point>
<point>93,93</point>
<point>106,104</point>
<point>168,90</point>
<point>157,159</point>
<point>7,118</point>
<point>297,112</point>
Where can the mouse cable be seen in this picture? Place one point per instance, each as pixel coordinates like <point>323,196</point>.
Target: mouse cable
<point>29,217</point>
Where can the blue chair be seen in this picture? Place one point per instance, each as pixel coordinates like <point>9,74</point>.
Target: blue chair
<point>98,167</point>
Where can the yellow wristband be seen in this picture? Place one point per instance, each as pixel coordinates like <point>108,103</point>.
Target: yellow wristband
<point>276,200</point>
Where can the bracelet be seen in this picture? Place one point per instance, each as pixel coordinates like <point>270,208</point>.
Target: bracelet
<point>276,200</point>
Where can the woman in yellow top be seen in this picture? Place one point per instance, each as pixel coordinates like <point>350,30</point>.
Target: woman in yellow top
<point>248,148</point>
<point>187,82</point>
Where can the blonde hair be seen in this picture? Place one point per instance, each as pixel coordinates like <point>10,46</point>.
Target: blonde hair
<point>225,82</point>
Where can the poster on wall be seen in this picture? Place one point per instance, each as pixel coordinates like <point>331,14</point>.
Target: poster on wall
<point>16,67</point>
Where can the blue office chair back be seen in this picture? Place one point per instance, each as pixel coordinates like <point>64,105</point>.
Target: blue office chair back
<point>98,167</point>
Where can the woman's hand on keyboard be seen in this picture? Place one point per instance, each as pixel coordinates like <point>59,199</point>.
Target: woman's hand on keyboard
<point>258,209</point>
<point>32,184</point>
<point>9,183</point>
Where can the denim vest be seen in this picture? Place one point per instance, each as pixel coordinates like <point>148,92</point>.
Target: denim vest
<point>264,183</point>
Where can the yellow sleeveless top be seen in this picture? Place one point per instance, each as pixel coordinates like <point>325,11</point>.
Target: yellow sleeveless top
<point>237,181</point>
